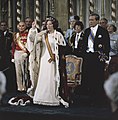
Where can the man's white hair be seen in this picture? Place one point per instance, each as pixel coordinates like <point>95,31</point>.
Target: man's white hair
<point>2,84</point>
<point>111,87</point>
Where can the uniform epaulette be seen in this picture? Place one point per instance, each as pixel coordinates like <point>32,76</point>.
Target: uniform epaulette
<point>10,32</point>
<point>26,30</point>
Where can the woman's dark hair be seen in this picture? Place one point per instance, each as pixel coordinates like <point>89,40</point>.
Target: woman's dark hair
<point>79,23</point>
<point>54,21</point>
<point>114,27</point>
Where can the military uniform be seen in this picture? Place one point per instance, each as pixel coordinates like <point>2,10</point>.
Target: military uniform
<point>20,55</point>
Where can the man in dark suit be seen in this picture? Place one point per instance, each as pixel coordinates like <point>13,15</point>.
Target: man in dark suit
<point>96,47</point>
<point>6,65</point>
<point>28,22</point>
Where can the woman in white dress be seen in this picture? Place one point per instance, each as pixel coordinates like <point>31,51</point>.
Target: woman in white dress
<point>47,89</point>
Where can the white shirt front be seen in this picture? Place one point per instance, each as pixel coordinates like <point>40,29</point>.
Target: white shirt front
<point>5,33</point>
<point>77,39</point>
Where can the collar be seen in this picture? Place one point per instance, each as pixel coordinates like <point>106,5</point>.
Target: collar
<point>94,28</point>
<point>79,33</point>
<point>5,32</point>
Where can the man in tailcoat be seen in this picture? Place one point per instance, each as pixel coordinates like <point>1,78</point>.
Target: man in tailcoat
<point>96,49</point>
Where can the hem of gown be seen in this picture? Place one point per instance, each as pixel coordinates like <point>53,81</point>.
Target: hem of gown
<point>46,103</point>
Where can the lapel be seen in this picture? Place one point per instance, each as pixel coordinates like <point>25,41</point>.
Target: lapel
<point>6,34</point>
<point>87,36</point>
<point>97,33</point>
<point>88,32</point>
<point>73,38</point>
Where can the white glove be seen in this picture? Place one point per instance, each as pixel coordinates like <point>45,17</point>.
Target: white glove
<point>13,60</point>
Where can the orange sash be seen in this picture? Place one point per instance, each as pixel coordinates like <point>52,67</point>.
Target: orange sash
<point>52,56</point>
<point>20,44</point>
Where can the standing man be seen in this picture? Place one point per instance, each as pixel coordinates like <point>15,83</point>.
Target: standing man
<point>20,55</point>
<point>6,65</point>
<point>28,22</point>
<point>96,50</point>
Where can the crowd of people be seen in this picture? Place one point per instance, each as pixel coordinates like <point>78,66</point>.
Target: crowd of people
<point>34,61</point>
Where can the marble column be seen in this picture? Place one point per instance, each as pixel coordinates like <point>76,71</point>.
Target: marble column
<point>18,6</point>
<point>91,6</point>
<point>113,11</point>
<point>38,15</point>
<point>61,12</point>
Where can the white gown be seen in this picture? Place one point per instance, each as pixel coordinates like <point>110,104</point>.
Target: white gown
<point>45,93</point>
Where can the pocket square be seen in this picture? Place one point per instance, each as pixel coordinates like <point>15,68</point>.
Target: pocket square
<point>99,36</point>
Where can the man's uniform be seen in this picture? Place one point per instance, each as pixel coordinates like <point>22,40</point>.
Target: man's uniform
<point>20,55</point>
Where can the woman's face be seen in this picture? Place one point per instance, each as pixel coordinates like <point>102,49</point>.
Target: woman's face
<point>49,26</point>
<point>110,29</point>
<point>77,28</point>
